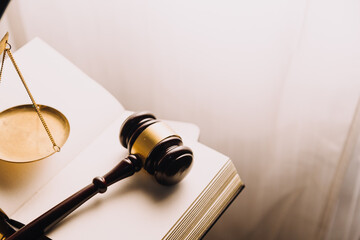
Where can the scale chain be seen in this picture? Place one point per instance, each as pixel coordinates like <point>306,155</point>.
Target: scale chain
<point>2,65</point>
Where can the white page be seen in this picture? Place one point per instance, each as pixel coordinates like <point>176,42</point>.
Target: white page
<point>55,82</point>
<point>136,207</point>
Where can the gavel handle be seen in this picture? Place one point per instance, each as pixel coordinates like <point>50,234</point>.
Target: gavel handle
<point>32,231</point>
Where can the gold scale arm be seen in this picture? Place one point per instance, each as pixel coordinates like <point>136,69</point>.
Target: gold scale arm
<point>6,50</point>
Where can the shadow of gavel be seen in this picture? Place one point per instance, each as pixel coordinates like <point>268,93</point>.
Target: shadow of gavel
<point>152,145</point>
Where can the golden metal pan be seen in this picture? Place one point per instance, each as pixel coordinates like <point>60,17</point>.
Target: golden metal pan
<point>23,137</point>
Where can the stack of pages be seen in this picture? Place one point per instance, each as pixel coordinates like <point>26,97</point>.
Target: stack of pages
<point>135,208</point>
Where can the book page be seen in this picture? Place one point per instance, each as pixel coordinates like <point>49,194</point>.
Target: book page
<point>136,207</point>
<point>55,82</point>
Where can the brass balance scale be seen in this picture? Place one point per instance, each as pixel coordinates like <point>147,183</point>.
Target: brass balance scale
<point>29,132</point>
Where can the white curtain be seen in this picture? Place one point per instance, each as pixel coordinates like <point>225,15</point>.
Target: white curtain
<point>275,85</point>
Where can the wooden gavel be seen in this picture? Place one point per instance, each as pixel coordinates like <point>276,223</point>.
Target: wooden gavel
<point>151,144</point>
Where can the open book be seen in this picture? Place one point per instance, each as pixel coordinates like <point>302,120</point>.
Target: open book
<point>136,207</point>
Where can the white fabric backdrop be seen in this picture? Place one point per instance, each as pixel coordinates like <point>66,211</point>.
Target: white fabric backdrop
<point>272,84</point>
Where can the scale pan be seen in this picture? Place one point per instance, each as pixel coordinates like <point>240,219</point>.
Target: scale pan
<point>23,138</point>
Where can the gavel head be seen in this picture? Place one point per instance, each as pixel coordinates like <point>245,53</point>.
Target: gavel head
<point>160,149</point>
